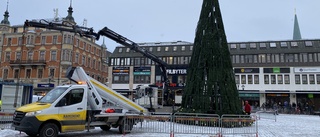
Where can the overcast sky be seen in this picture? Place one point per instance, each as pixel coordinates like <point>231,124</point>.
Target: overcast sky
<point>173,20</point>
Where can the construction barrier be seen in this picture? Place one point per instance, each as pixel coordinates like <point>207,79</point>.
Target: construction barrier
<point>208,124</point>
<point>5,120</point>
<point>270,115</point>
<point>184,123</point>
<point>153,123</point>
<point>239,125</point>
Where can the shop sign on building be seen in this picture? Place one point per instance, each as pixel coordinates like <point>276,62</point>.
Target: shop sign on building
<point>120,71</point>
<point>182,71</point>
<point>246,70</point>
<point>142,71</point>
<point>307,70</point>
<point>45,85</point>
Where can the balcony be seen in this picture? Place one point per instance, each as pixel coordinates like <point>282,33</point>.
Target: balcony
<point>30,46</point>
<point>21,63</point>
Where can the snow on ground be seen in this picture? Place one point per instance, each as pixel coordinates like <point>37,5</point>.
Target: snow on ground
<point>285,126</point>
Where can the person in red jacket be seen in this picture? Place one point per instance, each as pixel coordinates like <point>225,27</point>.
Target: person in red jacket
<point>247,108</point>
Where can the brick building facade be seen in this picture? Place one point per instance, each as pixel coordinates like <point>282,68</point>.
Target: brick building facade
<point>41,56</point>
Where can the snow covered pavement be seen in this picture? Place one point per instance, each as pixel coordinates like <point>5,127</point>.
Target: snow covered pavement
<point>285,126</point>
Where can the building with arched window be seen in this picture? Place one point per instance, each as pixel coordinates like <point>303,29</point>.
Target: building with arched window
<point>41,56</point>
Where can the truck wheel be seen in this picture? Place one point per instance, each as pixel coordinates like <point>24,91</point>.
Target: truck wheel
<point>105,128</point>
<point>49,130</point>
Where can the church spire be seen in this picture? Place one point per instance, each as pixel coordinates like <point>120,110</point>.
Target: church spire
<point>296,29</point>
<point>70,11</point>
<point>6,16</point>
<point>103,45</point>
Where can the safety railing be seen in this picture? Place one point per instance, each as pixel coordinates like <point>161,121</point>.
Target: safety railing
<point>5,120</point>
<point>239,125</point>
<point>192,123</point>
<point>270,115</point>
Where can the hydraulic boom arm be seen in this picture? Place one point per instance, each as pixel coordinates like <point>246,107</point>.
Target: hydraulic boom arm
<point>89,32</point>
<point>134,46</point>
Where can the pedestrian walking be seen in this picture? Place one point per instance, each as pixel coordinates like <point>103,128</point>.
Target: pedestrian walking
<point>247,108</point>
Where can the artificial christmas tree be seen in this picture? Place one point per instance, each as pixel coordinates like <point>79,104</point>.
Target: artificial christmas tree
<point>210,85</point>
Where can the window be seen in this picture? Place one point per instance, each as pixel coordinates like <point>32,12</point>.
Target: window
<point>266,79</point>
<point>8,54</point>
<point>250,80</point>
<point>262,58</point>
<point>65,39</point>
<point>243,79</point>
<point>158,48</point>
<point>83,60</point>
<point>51,72</point>
<point>280,79</point>
<point>311,79</point>
<point>74,96</point>
<point>233,46</point>
<point>128,50</point>
<point>120,50</point>
<point>30,53</point>
<point>283,44</point>
<point>308,43</point>
<point>89,62</point>
<point>20,41</point>
<point>253,45</point>
<point>318,78</point>
<point>166,49</point>
<point>304,79</point>
<point>5,74</point>
<point>120,79</point>
<point>191,48</point>
<point>150,49</point>
<point>66,55</point>
<point>77,58</point>
<point>273,45</point>
<point>141,79</point>
<point>263,45</point>
<point>286,79</point>
<point>9,42</point>
<point>243,46</point>
<point>297,79</point>
<point>273,79</point>
<point>183,48</point>
<point>30,39</point>
<point>294,44</point>
<point>69,39</point>
<point>256,79</point>
<point>53,55</point>
<point>28,73</point>
<point>40,73</point>
<point>42,55</point>
<point>310,57</point>
<point>54,40</point>
<point>77,43</point>
<point>94,64</point>
<point>237,79</point>
<point>43,40</point>
<point>84,46</point>
<point>175,48</point>
<point>16,73</point>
